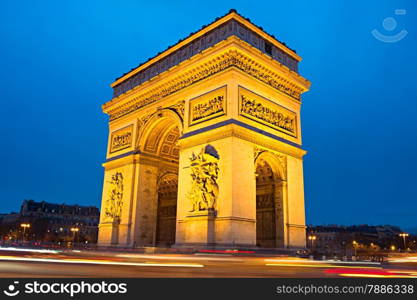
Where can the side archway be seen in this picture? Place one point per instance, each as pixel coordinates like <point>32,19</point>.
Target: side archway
<point>166,210</point>
<point>270,198</point>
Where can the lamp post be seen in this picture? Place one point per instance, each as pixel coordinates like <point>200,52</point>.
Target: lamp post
<point>355,243</point>
<point>404,235</point>
<point>24,226</point>
<point>74,230</point>
<point>312,238</point>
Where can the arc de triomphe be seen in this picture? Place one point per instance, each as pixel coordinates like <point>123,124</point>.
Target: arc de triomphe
<point>204,144</point>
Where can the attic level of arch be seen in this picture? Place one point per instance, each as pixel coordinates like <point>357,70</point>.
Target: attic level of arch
<point>230,54</point>
<point>209,39</point>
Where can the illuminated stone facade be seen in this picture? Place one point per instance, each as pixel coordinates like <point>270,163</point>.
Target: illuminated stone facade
<point>205,145</point>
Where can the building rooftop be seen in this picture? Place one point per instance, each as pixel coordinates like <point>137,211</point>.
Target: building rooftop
<point>32,206</point>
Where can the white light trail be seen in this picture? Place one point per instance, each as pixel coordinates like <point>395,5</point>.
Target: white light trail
<point>98,262</point>
<point>322,261</point>
<point>177,257</point>
<point>29,250</point>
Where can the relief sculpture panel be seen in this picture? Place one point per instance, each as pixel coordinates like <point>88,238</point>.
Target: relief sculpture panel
<point>114,202</point>
<point>204,175</point>
<point>208,106</point>
<point>121,139</point>
<point>266,112</point>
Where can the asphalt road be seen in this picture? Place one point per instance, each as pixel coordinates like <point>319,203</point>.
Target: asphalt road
<point>19,269</point>
<point>122,265</point>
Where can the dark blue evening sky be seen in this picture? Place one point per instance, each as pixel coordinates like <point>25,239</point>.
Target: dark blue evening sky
<point>359,118</point>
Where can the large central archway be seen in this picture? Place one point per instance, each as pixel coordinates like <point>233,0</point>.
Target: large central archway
<point>160,151</point>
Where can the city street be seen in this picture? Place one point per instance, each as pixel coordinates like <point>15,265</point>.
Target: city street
<point>43,263</point>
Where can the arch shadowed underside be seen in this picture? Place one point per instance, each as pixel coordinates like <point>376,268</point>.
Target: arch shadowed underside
<point>159,141</point>
<point>166,210</point>
<point>269,202</point>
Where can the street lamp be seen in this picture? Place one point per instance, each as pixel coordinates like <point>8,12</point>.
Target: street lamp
<point>74,230</point>
<point>355,243</point>
<point>404,235</point>
<point>312,238</point>
<point>24,226</point>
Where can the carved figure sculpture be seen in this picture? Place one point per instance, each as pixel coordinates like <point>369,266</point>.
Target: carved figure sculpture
<point>114,202</point>
<point>204,174</point>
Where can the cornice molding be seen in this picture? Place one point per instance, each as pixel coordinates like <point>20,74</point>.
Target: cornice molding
<point>257,139</point>
<point>231,58</point>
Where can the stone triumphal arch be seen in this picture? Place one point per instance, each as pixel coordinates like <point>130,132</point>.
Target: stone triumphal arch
<point>205,144</point>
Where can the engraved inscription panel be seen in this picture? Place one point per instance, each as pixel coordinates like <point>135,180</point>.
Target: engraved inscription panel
<point>265,111</point>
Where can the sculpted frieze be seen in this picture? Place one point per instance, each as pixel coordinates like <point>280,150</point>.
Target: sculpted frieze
<point>121,139</point>
<point>267,112</point>
<point>208,106</point>
<point>230,59</point>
